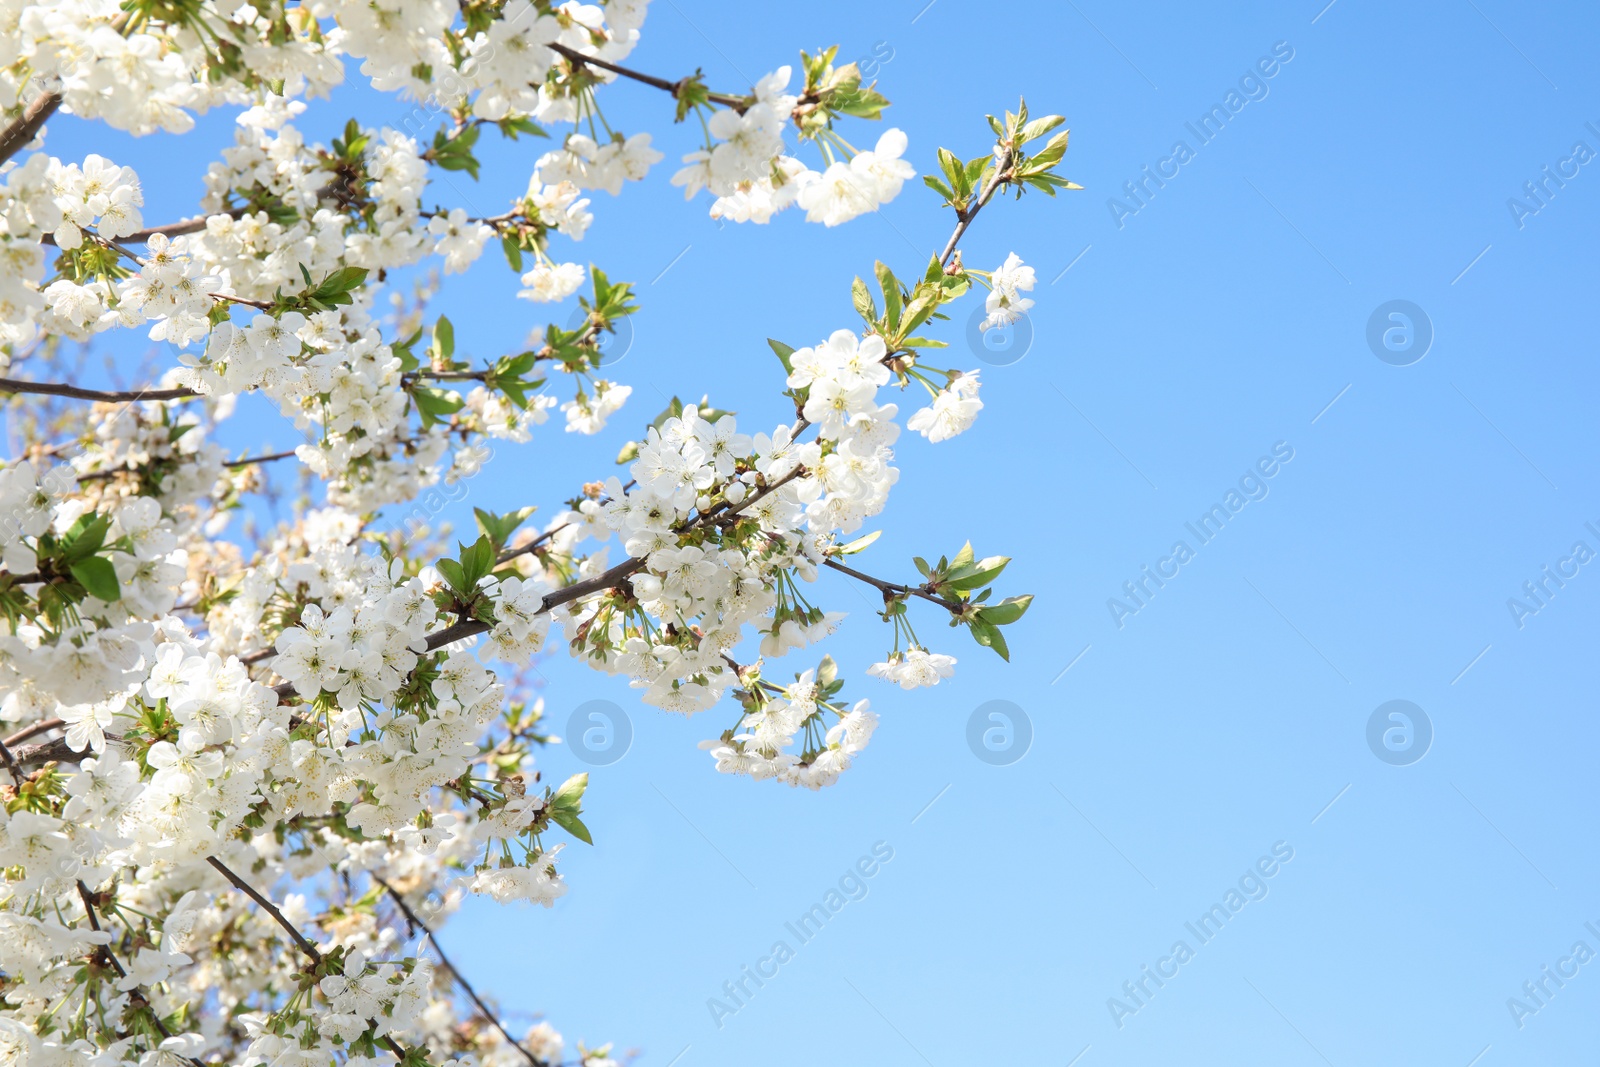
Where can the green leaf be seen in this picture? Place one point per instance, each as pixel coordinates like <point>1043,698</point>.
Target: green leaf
<point>1007,611</point>
<point>976,575</point>
<point>476,562</point>
<point>86,536</point>
<point>565,805</point>
<point>783,352</point>
<point>98,577</point>
<point>402,349</point>
<point>343,280</point>
<point>570,793</point>
<point>573,825</point>
<point>860,103</point>
<point>925,300</point>
<point>859,543</point>
<point>954,286</point>
<point>975,169</point>
<point>435,404</point>
<point>956,173</point>
<point>454,575</point>
<point>891,293</point>
<point>691,93</point>
<point>513,252</point>
<point>511,127</point>
<point>444,338</point>
<point>499,528</point>
<point>1040,127</point>
<point>990,637</point>
<point>862,298</point>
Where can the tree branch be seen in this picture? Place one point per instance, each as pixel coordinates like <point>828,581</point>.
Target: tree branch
<point>11,385</point>
<point>11,765</point>
<point>299,939</point>
<point>466,628</point>
<point>55,750</point>
<point>105,953</point>
<point>40,727</point>
<point>895,588</point>
<point>96,476</point>
<point>21,133</point>
<point>964,217</point>
<point>739,103</point>
<point>460,631</point>
<point>270,908</point>
<point>466,987</point>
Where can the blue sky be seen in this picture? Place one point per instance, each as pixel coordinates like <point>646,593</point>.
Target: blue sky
<point>1226,317</point>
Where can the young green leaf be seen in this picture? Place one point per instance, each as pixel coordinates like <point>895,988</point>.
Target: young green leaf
<point>862,298</point>
<point>783,352</point>
<point>98,577</point>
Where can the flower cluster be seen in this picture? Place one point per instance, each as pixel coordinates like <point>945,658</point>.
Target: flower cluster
<point>746,167</point>
<point>760,745</point>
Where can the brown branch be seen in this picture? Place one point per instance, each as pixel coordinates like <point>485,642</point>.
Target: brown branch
<point>94,924</point>
<point>445,375</point>
<point>964,216</point>
<point>247,302</point>
<point>53,751</point>
<point>177,229</point>
<point>42,726</point>
<point>299,939</point>
<point>270,908</point>
<point>675,88</point>
<point>106,955</point>
<point>271,457</point>
<point>533,546</point>
<point>11,765</point>
<point>171,229</point>
<point>11,385</point>
<point>415,922</point>
<point>17,136</point>
<point>96,476</point>
<point>466,628</point>
<point>891,589</point>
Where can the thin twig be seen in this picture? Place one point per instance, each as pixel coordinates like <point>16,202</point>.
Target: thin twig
<point>105,953</point>
<point>964,217</point>
<point>675,88</point>
<point>894,588</point>
<point>247,461</point>
<point>42,726</point>
<point>414,922</point>
<point>11,385</point>
<point>270,908</point>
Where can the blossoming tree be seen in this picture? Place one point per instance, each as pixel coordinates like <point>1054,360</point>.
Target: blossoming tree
<point>246,779</point>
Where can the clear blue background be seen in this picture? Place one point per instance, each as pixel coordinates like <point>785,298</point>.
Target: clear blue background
<point>1226,715</point>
